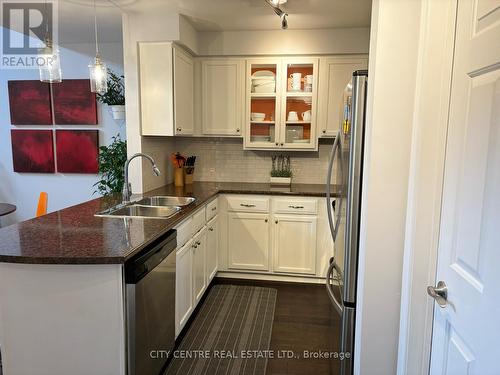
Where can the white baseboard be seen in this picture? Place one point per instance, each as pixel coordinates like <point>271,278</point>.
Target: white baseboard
<point>268,277</point>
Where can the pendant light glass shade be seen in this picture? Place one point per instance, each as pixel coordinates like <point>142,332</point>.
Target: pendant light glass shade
<point>98,76</point>
<point>98,71</point>
<point>50,70</point>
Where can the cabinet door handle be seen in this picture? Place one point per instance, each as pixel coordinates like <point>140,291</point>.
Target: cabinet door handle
<point>277,144</point>
<point>238,130</point>
<point>324,131</point>
<point>247,205</point>
<point>276,221</point>
<point>211,229</point>
<point>214,208</point>
<point>198,243</point>
<point>195,246</point>
<point>179,129</point>
<point>282,144</point>
<point>296,207</point>
<point>266,220</point>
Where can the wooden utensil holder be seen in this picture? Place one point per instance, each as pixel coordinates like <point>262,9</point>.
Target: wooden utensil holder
<point>188,177</point>
<point>179,176</point>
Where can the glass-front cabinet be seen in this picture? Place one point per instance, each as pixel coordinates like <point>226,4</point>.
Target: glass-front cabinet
<point>281,103</point>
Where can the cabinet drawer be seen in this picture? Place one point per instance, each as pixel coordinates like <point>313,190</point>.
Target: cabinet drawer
<point>184,232</point>
<point>295,206</point>
<point>212,208</point>
<point>199,220</point>
<point>248,204</point>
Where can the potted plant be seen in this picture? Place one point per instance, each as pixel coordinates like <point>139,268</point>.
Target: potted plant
<point>111,160</point>
<point>114,96</point>
<point>281,172</point>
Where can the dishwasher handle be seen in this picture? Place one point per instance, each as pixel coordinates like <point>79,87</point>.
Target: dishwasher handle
<point>140,265</point>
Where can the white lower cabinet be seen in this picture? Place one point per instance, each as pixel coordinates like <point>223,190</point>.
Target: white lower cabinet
<point>294,244</point>
<point>211,250</point>
<point>248,241</point>
<point>183,286</point>
<point>199,276</point>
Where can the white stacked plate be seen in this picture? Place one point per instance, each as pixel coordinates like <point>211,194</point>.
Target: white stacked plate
<point>263,81</point>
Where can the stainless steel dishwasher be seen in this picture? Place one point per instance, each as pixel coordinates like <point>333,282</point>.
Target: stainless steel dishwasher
<point>150,295</point>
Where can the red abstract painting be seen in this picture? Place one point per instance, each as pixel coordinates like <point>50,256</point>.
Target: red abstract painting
<point>77,151</point>
<point>32,151</point>
<point>29,103</point>
<point>74,104</point>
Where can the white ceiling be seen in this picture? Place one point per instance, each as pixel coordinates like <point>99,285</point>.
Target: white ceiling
<point>76,16</point>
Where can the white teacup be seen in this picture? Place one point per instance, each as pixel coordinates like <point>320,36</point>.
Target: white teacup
<point>306,116</point>
<point>293,116</point>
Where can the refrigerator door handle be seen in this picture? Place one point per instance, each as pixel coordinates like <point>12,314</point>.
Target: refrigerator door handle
<point>333,225</point>
<point>329,288</point>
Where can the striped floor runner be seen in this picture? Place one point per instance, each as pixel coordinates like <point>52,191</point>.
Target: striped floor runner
<point>230,335</point>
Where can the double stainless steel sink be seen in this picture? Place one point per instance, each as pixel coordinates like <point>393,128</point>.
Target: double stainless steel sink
<point>157,207</point>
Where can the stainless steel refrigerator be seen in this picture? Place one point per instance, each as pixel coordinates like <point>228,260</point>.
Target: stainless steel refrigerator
<point>345,170</point>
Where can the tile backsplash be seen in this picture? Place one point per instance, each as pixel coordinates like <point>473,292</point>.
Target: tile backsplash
<point>223,159</point>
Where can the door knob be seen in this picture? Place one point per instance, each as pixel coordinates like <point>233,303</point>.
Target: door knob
<point>439,293</point>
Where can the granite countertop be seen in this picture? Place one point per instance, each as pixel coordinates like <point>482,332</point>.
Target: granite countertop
<point>75,236</point>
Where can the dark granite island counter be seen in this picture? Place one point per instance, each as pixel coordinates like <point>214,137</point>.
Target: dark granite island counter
<point>75,236</point>
<point>62,289</point>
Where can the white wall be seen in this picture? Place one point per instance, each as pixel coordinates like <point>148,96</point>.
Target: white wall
<point>154,25</point>
<point>285,42</point>
<point>22,189</point>
<point>394,51</point>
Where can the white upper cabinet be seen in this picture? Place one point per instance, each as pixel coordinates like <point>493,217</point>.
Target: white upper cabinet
<point>281,95</point>
<point>183,92</point>
<point>222,85</point>
<point>335,74</point>
<point>167,88</point>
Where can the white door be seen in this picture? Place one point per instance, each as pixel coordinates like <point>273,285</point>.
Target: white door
<point>212,248</point>
<point>467,329</point>
<point>222,96</point>
<point>183,286</point>
<point>183,92</point>
<point>248,241</point>
<point>295,244</point>
<point>199,276</point>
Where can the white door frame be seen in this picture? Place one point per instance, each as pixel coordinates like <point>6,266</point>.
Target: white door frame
<point>426,183</point>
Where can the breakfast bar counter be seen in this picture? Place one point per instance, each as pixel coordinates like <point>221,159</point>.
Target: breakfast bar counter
<point>75,236</point>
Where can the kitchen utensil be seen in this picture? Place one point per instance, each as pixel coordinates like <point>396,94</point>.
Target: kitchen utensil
<point>306,116</point>
<point>293,116</point>
<point>257,116</point>
<point>309,79</point>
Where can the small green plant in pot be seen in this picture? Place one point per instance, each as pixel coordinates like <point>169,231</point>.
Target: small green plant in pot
<point>281,172</point>
<point>111,160</point>
<point>114,96</point>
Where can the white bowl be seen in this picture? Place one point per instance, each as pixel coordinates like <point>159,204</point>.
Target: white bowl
<point>263,73</point>
<point>265,88</point>
<point>256,116</point>
<point>262,81</point>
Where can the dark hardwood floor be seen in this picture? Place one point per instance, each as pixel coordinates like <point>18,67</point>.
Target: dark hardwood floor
<point>304,320</point>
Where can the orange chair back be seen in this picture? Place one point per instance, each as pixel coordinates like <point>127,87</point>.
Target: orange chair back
<point>42,204</point>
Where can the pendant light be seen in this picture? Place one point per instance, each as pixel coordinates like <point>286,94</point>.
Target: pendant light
<point>50,69</point>
<point>98,71</point>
